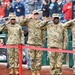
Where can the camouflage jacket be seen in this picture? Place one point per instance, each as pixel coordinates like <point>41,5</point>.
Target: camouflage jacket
<point>57,36</point>
<point>71,25</point>
<point>15,33</point>
<point>36,34</point>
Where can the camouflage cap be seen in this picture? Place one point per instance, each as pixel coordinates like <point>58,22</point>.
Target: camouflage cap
<point>35,12</point>
<point>13,17</point>
<point>55,15</point>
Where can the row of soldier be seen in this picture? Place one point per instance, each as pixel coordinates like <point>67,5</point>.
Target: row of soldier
<point>57,39</point>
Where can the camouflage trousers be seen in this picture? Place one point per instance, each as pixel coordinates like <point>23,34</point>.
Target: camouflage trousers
<point>55,63</point>
<point>35,59</point>
<point>13,57</point>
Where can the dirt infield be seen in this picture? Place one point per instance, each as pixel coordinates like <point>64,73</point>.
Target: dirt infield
<point>5,71</point>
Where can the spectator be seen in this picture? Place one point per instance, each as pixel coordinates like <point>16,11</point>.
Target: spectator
<point>67,10</point>
<point>53,7</point>
<point>25,29</point>
<point>30,5</point>
<point>9,9</point>
<point>49,1</point>
<point>38,4</point>
<point>2,10</point>
<point>63,2</point>
<point>60,6</point>
<point>1,42</point>
<point>11,1</point>
<point>45,9</point>
<point>13,39</point>
<point>19,10</point>
<point>6,1</point>
<point>59,10</point>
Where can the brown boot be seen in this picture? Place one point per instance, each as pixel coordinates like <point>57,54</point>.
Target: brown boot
<point>38,72</point>
<point>16,71</point>
<point>12,71</point>
<point>34,73</point>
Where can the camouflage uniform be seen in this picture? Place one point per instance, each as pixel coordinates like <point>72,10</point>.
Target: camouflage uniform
<point>57,39</point>
<point>15,37</point>
<point>35,38</point>
<point>71,25</point>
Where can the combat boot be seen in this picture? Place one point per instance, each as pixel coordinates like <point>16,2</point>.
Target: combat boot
<point>74,70</point>
<point>16,71</point>
<point>37,72</point>
<point>12,71</point>
<point>34,73</point>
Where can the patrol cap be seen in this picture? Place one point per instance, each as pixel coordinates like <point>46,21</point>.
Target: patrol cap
<point>55,15</point>
<point>13,17</point>
<point>35,12</point>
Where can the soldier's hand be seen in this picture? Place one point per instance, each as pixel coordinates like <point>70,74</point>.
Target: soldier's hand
<point>74,19</point>
<point>29,16</point>
<point>7,22</point>
<point>48,20</point>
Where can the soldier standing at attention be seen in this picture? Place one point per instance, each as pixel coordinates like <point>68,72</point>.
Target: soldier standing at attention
<point>35,38</point>
<point>57,39</point>
<point>71,25</point>
<point>15,37</point>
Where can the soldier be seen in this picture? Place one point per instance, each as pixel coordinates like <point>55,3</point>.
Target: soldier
<point>35,38</point>
<point>15,37</point>
<point>57,39</point>
<point>71,25</point>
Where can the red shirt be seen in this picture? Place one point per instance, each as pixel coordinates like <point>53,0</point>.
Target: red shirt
<point>67,9</point>
<point>2,11</point>
<point>7,0</point>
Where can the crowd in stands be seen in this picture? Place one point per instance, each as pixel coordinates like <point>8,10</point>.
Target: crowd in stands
<point>48,7</point>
